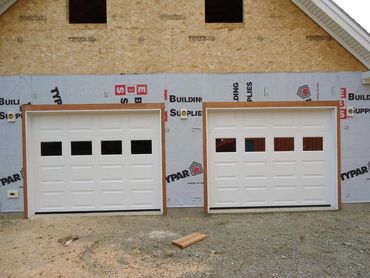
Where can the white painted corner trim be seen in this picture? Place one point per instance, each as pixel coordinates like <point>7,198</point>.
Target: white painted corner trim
<point>6,4</point>
<point>340,26</point>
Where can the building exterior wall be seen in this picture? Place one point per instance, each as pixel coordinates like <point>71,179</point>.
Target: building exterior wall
<point>166,36</point>
<point>277,52</point>
<point>184,137</point>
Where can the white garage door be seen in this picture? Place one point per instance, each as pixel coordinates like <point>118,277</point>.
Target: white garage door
<point>271,158</point>
<point>95,161</point>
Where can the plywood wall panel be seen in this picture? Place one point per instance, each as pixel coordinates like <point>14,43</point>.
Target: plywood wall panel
<point>165,36</point>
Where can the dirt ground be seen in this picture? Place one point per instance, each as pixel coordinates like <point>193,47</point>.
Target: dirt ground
<point>296,244</point>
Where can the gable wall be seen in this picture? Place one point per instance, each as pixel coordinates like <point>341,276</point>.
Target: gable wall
<point>166,36</point>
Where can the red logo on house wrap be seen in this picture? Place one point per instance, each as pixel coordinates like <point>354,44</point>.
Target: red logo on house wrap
<point>196,168</point>
<point>131,89</point>
<point>138,89</point>
<point>304,92</point>
<point>142,89</point>
<point>120,90</point>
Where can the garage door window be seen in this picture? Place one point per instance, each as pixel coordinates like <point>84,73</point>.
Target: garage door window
<point>312,144</point>
<point>111,147</point>
<point>255,145</point>
<point>141,147</point>
<point>81,148</point>
<point>225,145</point>
<point>51,148</point>
<point>284,144</point>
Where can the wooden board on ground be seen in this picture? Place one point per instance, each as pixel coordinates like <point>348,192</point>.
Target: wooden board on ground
<point>189,240</point>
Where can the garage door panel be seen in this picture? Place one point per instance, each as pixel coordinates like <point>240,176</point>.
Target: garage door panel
<point>50,136</point>
<point>226,194</point>
<point>315,121</point>
<point>84,171</point>
<point>226,170</point>
<point>284,180</point>
<point>253,120</point>
<point>284,168</point>
<point>114,201</point>
<point>271,176</point>
<point>225,178</point>
<point>143,159</point>
<point>52,173</point>
<point>314,159</point>
<point>142,198</point>
<point>50,123</point>
<point>142,172</point>
<point>255,202</point>
<point>142,206</point>
<point>142,186</point>
<point>223,189</point>
<point>259,183</point>
<point>112,172</point>
<point>225,198</point>
<point>80,122</point>
<point>255,170</point>
<point>314,168</point>
<point>255,196</point>
<point>283,119</point>
<point>112,185</point>
<point>111,123</point>
<point>285,202</point>
<point>284,194</point>
<point>119,178</point>
<point>52,200</point>
<point>81,181</point>
<point>223,120</point>
<point>82,195</point>
<point>81,160</point>
<point>313,194</point>
<point>97,180</point>
<point>52,186</point>
<point>254,129</point>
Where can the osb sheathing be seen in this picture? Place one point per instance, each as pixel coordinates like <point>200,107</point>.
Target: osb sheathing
<point>144,36</point>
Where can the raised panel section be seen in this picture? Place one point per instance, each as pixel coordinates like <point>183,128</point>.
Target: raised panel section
<point>96,170</point>
<point>270,165</point>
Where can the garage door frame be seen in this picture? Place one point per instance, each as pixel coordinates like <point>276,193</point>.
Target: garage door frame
<point>32,109</point>
<point>208,106</point>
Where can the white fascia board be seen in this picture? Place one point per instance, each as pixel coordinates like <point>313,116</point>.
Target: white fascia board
<point>6,4</point>
<point>366,77</point>
<point>344,21</point>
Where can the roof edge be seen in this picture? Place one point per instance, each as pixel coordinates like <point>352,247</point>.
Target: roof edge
<point>345,21</point>
<point>6,5</point>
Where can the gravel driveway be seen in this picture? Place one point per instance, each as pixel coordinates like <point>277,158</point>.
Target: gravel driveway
<point>296,244</point>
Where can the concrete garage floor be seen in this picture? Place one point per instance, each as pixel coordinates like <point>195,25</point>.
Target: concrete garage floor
<point>297,244</point>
